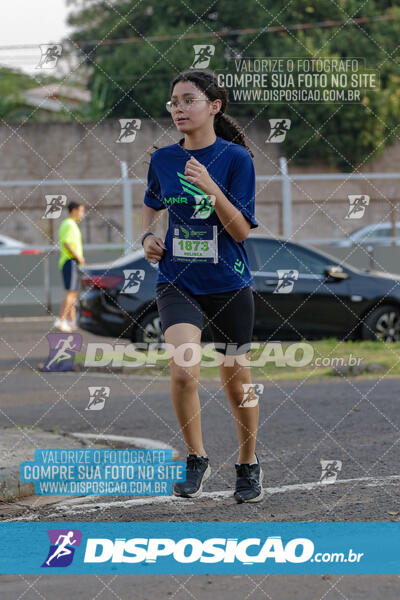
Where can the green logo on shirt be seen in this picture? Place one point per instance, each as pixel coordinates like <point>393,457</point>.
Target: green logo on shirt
<point>237,267</point>
<point>178,200</point>
<point>203,209</point>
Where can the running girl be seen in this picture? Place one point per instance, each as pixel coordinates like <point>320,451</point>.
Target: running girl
<point>207,182</point>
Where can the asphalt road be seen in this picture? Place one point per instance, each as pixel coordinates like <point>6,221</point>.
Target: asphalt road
<point>201,587</point>
<point>355,421</point>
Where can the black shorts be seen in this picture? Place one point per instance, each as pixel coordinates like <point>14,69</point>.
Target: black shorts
<point>230,315</point>
<point>70,275</point>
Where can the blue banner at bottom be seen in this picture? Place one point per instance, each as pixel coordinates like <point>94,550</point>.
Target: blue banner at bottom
<point>199,547</point>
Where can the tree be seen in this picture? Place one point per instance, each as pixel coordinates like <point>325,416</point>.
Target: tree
<point>132,78</point>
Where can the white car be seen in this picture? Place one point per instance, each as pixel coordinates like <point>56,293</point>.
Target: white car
<point>10,246</point>
<point>378,234</point>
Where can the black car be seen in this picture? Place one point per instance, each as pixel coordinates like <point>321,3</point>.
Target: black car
<point>298,293</point>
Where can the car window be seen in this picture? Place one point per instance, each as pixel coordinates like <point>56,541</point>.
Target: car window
<point>386,232</point>
<point>140,263</point>
<point>250,254</point>
<point>376,232</point>
<point>125,259</point>
<point>275,254</point>
<point>383,232</point>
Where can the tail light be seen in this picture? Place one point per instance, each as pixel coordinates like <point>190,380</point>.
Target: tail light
<point>104,282</point>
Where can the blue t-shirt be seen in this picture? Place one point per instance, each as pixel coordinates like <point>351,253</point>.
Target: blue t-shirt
<point>231,166</point>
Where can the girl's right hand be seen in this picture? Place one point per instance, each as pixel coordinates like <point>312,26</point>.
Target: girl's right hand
<point>153,248</point>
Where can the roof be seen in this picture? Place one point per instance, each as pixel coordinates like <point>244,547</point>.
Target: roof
<point>54,97</point>
<point>57,90</point>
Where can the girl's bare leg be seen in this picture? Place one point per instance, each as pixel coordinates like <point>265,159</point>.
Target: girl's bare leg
<point>184,387</point>
<point>246,418</point>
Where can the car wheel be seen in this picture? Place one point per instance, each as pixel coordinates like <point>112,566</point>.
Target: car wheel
<point>383,324</point>
<point>149,330</point>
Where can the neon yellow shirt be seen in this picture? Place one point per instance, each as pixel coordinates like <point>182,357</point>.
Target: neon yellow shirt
<point>69,233</point>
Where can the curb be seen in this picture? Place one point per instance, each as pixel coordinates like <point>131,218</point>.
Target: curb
<point>12,488</point>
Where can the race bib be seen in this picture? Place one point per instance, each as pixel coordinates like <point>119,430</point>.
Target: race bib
<point>195,243</point>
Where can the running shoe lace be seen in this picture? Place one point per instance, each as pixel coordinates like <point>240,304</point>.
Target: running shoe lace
<point>245,478</point>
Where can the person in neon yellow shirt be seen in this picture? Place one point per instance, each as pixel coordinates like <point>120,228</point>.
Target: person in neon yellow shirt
<point>71,255</point>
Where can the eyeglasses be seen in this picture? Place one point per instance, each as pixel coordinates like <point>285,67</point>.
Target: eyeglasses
<point>187,103</point>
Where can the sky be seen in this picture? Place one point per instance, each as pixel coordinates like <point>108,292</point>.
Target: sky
<point>30,22</point>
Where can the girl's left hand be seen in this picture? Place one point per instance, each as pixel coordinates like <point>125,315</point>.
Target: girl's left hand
<point>197,174</point>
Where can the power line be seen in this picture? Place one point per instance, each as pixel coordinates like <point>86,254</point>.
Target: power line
<point>222,33</point>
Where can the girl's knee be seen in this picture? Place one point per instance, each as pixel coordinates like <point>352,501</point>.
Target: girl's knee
<point>184,378</point>
<point>235,391</point>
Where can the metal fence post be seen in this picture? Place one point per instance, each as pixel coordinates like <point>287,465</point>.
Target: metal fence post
<point>286,199</point>
<point>127,199</point>
<point>46,282</point>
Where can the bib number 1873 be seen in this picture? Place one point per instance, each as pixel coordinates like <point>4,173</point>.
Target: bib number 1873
<point>195,243</point>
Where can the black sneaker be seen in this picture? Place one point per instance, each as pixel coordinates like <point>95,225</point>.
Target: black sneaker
<point>197,471</point>
<point>248,483</point>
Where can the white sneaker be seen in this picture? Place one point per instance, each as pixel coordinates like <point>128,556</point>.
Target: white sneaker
<point>62,326</point>
<point>72,325</point>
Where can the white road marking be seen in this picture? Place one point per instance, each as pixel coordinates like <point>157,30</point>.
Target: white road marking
<point>132,442</point>
<point>25,319</point>
<point>72,506</point>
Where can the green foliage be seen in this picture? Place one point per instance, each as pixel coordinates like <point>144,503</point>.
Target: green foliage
<point>12,84</point>
<point>132,79</point>
<point>11,104</point>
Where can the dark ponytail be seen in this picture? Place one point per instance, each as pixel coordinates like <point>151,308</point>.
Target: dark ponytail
<point>225,126</point>
<point>228,128</point>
